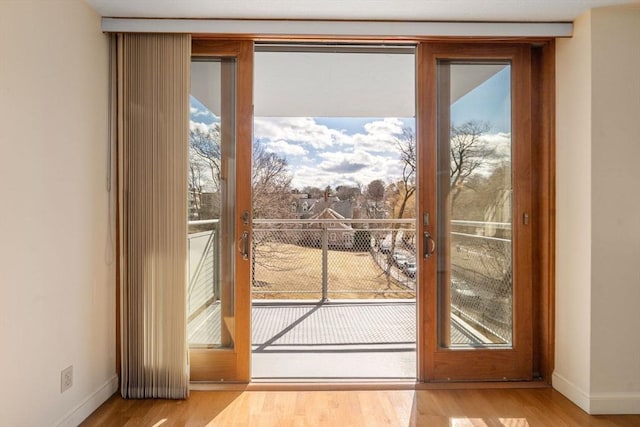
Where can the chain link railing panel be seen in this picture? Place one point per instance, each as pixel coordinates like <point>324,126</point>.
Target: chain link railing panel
<point>316,259</point>
<point>481,280</point>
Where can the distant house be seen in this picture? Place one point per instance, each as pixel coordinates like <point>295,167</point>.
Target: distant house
<point>305,207</point>
<point>302,205</point>
<point>339,234</point>
<point>344,208</point>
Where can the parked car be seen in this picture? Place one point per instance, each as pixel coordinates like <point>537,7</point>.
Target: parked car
<point>409,268</point>
<point>399,259</point>
<point>385,246</point>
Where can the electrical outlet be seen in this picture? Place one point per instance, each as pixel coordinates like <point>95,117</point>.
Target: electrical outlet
<point>66,379</point>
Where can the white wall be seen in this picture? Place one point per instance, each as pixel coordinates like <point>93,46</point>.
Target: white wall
<point>598,279</point>
<point>56,259</point>
<point>615,304</point>
<point>573,219</point>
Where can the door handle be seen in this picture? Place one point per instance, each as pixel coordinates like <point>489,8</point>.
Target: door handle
<point>244,248</point>
<point>428,245</point>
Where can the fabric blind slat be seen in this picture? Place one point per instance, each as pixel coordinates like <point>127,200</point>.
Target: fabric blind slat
<point>153,122</point>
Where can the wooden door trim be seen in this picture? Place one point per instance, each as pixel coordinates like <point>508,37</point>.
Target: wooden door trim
<point>543,191</point>
<point>543,134</point>
<point>436,359</point>
<point>234,364</point>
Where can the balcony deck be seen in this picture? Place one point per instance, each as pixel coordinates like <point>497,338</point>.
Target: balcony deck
<point>338,339</point>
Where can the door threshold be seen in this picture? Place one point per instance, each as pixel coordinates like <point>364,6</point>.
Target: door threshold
<point>324,380</point>
<point>347,385</point>
<point>332,385</point>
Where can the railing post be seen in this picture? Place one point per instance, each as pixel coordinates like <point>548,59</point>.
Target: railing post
<point>216,262</point>
<point>325,260</point>
<point>189,268</point>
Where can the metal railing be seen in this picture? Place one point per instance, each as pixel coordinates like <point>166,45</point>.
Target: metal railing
<point>203,265</point>
<point>481,277</point>
<point>362,258</point>
<point>342,258</point>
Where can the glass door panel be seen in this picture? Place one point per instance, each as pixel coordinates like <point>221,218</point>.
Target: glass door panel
<point>211,206</point>
<point>474,205</point>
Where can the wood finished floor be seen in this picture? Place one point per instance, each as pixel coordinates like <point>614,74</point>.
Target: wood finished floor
<point>494,407</point>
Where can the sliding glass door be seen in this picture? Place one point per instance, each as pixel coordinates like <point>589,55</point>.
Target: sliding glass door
<point>476,191</point>
<point>472,277</point>
<point>219,205</point>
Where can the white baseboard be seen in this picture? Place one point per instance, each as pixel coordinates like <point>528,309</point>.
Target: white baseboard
<point>615,403</point>
<point>571,391</point>
<point>597,403</point>
<point>90,404</point>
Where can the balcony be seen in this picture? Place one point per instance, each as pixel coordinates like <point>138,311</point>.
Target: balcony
<point>337,296</point>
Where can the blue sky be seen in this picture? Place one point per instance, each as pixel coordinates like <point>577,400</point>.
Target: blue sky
<point>336,151</point>
<point>489,102</point>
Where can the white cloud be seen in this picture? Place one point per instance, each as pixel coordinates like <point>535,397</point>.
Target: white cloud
<point>389,125</point>
<point>333,157</point>
<point>500,141</point>
<point>304,130</point>
<point>284,148</point>
<point>381,135</point>
<point>374,141</point>
<point>347,167</point>
<point>202,127</point>
<point>355,156</point>
<point>497,138</point>
<point>313,176</point>
<point>199,113</point>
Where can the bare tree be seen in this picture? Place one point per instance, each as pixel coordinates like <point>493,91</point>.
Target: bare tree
<point>345,192</point>
<point>313,192</point>
<point>406,144</point>
<point>468,152</point>
<point>375,192</point>
<point>204,172</point>
<point>205,145</point>
<point>272,199</point>
<point>486,197</point>
<point>271,184</point>
<point>402,192</point>
<point>271,180</point>
<point>195,190</point>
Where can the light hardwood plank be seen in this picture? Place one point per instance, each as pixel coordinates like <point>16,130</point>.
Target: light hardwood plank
<point>464,407</point>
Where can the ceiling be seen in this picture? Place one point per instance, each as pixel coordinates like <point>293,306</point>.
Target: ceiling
<point>405,10</point>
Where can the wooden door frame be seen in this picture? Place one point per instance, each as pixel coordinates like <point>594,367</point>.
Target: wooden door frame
<point>233,364</point>
<point>544,207</point>
<point>533,198</point>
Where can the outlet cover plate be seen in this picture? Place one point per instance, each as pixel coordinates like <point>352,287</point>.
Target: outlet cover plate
<point>66,379</point>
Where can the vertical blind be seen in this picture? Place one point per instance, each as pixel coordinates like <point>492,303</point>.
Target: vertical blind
<point>153,119</point>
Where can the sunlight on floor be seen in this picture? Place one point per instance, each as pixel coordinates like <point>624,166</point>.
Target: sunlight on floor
<point>514,422</point>
<point>480,422</point>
